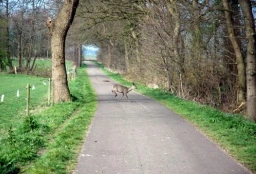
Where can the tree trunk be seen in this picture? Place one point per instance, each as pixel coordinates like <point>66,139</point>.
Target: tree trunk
<point>109,58</point>
<point>173,10</point>
<point>126,56</point>
<point>238,54</point>
<point>20,50</point>
<point>197,51</point>
<point>250,58</point>
<point>137,52</point>
<point>9,60</point>
<point>79,60</point>
<point>58,29</point>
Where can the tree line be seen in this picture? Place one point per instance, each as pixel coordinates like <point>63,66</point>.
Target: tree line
<point>23,32</point>
<point>199,50</point>
<point>25,38</point>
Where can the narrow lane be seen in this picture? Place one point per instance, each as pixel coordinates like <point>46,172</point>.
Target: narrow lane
<point>144,137</point>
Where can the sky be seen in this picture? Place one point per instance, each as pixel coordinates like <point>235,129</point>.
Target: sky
<point>91,47</point>
<point>90,50</point>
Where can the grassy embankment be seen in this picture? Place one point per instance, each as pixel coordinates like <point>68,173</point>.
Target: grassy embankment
<point>48,140</point>
<point>232,132</point>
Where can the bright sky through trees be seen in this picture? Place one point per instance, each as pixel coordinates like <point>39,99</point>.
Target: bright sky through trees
<point>90,51</point>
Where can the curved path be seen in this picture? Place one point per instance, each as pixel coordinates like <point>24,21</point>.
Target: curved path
<point>144,137</point>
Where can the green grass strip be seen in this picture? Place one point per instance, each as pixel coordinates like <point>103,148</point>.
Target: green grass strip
<point>13,109</point>
<point>61,152</point>
<point>232,132</point>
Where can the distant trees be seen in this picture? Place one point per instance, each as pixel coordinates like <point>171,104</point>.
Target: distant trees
<point>114,27</point>
<point>5,60</point>
<point>26,36</point>
<point>2,43</point>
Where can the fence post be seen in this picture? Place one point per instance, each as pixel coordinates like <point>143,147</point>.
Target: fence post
<point>49,91</point>
<point>15,70</point>
<point>28,98</point>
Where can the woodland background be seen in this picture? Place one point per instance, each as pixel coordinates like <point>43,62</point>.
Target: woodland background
<point>195,49</point>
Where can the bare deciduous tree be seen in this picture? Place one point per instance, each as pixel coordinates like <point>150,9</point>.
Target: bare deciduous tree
<point>250,58</point>
<point>58,29</point>
<point>239,58</point>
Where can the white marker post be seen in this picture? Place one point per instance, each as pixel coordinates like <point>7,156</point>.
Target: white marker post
<point>2,98</point>
<point>28,98</point>
<point>49,91</point>
<point>18,93</point>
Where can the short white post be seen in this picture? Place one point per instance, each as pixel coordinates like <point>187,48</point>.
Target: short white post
<point>18,93</point>
<point>49,91</point>
<point>2,98</point>
<point>28,98</point>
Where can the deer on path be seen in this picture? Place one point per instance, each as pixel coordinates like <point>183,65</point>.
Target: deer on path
<point>122,89</point>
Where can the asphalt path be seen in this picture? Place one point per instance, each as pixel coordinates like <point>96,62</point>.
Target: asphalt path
<point>144,137</point>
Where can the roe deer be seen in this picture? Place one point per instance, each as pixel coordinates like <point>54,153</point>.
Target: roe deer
<point>122,89</point>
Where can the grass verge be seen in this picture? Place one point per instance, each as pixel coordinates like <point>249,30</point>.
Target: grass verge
<point>13,108</point>
<point>48,142</point>
<point>60,155</point>
<point>232,132</point>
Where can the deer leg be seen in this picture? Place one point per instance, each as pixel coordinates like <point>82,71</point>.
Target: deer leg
<point>114,93</point>
<point>121,97</point>
<point>127,97</point>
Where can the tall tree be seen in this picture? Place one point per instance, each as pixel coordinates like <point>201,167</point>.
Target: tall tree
<point>238,54</point>
<point>8,55</point>
<point>5,60</point>
<point>172,7</point>
<point>58,29</point>
<point>2,43</point>
<point>250,58</point>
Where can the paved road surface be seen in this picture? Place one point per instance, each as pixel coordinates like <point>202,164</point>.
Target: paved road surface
<point>144,137</point>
